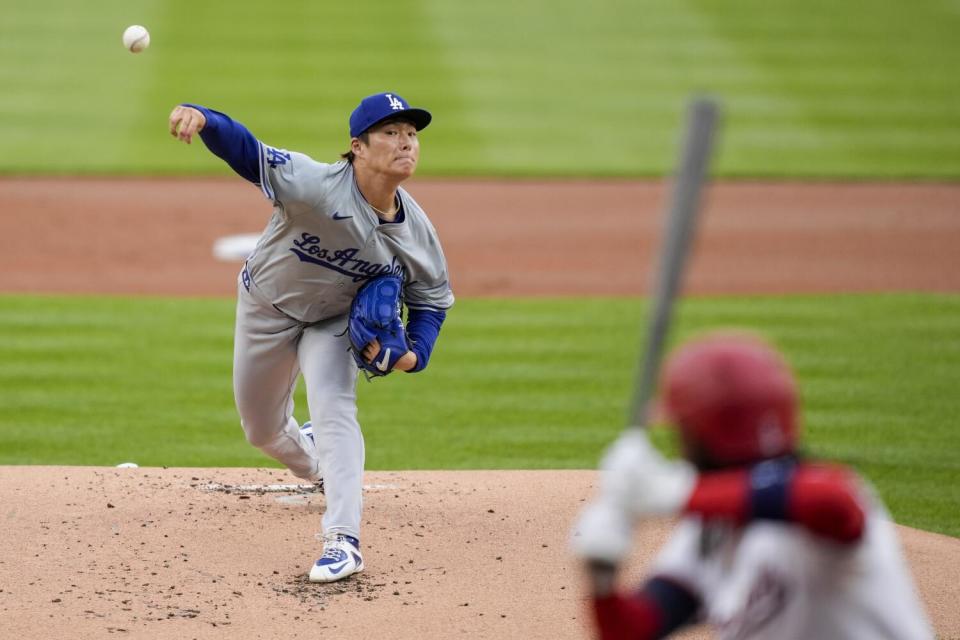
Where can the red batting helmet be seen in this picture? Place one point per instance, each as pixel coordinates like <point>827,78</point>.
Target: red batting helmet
<point>733,398</point>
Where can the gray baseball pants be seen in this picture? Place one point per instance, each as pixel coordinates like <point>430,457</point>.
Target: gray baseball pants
<point>270,351</point>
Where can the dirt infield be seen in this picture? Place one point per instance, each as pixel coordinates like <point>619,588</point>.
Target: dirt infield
<point>94,552</point>
<point>501,239</point>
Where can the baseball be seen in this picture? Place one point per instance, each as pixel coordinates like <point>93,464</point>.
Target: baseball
<point>136,38</point>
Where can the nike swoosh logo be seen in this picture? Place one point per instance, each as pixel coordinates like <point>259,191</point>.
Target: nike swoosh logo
<point>382,365</point>
<point>336,570</point>
<point>337,216</point>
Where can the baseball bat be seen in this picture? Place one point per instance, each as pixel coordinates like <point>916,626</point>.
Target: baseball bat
<point>702,117</point>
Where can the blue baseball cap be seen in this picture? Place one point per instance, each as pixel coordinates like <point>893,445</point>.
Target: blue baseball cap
<point>379,107</point>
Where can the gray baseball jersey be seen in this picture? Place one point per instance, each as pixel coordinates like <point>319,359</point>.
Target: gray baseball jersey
<point>324,241</point>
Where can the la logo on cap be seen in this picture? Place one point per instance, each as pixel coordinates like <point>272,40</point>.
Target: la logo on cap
<point>395,103</point>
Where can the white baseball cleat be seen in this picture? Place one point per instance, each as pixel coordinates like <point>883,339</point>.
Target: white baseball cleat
<point>307,430</point>
<point>341,558</point>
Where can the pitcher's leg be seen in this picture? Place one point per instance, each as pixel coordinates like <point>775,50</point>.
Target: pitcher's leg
<point>265,371</point>
<point>330,376</point>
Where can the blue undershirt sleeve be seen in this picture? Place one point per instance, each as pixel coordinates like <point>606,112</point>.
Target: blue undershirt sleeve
<point>770,489</point>
<point>232,142</point>
<point>423,327</point>
<point>678,606</point>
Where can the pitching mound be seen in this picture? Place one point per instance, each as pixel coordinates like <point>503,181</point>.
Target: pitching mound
<point>194,553</point>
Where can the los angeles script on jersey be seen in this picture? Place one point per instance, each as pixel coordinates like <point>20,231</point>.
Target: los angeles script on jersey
<point>344,261</point>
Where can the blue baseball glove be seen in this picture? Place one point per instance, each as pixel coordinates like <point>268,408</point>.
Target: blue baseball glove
<point>376,314</point>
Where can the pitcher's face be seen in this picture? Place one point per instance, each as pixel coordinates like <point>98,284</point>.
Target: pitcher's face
<point>392,149</point>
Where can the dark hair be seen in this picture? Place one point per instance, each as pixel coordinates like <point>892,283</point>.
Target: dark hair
<point>365,136</point>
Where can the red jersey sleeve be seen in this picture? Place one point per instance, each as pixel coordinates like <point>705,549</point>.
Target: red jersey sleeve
<point>826,501</point>
<point>820,497</point>
<point>657,609</point>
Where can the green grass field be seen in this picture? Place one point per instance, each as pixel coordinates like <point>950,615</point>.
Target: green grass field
<point>861,89</point>
<point>535,384</point>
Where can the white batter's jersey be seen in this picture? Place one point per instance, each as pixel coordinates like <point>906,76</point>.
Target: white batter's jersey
<point>775,580</point>
<point>324,241</point>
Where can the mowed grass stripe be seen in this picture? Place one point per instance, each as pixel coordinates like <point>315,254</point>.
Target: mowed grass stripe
<point>513,384</point>
<point>865,86</point>
<point>856,89</point>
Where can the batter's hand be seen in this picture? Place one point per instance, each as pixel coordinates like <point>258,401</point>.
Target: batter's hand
<point>635,482</point>
<point>406,362</point>
<point>635,477</point>
<point>185,122</point>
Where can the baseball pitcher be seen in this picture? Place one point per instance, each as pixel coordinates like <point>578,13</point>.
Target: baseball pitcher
<point>345,249</point>
<point>769,545</point>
